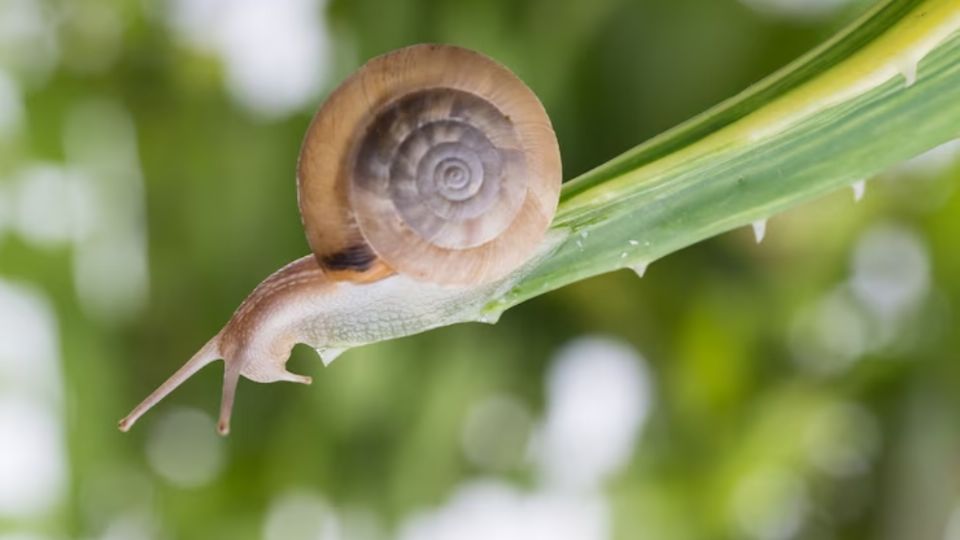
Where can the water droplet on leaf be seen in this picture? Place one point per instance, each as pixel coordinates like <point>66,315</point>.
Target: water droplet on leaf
<point>759,229</point>
<point>328,355</point>
<point>859,188</point>
<point>908,68</point>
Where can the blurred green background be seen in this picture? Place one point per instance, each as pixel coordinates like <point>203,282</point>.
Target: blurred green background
<point>804,388</point>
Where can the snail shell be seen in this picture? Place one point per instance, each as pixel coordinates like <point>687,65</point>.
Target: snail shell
<point>433,160</point>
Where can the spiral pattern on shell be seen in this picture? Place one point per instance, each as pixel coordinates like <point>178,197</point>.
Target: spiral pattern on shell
<point>434,159</point>
<point>431,155</point>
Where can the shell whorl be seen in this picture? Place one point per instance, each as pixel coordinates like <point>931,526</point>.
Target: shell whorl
<point>434,159</point>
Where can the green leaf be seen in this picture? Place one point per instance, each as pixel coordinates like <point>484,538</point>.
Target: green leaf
<point>883,90</point>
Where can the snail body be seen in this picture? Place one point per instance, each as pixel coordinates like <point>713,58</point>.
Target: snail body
<point>430,174</point>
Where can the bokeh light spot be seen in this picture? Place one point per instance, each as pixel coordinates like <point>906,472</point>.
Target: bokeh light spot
<point>770,504</point>
<point>797,9</point>
<point>32,457</point>
<point>184,448</point>
<point>830,335</point>
<point>29,342</point>
<point>301,515</point>
<point>891,270</point>
<point>276,54</point>
<point>599,397</point>
<point>495,433</point>
<point>489,509</point>
<point>842,439</point>
<point>28,39</point>
<point>44,213</point>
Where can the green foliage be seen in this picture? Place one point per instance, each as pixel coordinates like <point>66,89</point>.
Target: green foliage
<point>843,113</point>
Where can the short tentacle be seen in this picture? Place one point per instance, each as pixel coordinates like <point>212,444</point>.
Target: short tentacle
<point>295,378</point>
<point>231,376</point>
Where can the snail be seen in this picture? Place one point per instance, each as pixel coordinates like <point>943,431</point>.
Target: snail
<point>431,172</point>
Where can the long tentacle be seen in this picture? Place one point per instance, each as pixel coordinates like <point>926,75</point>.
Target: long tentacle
<point>207,354</point>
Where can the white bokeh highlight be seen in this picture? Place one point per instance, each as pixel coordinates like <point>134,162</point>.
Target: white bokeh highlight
<point>770,504</point>
<point>830,335</point>
<point>933,162</point>
<point>29,46</point>
<point>598,399</point>
<point>33,456</point>
<point>107,210</point>
<point>302,515</point>
<point>952,529</point>
<point>891,270</point>
<point>802,10</point>
<point>489,509</point>
<point>44,210</point>
<point>496,432</point>
<point>131,526</point>
<point>889,282</point>
<point>93,203</point>
<point>275,54</point>
<point>33,465</point>
<point>184,449</point>
<point>29,343</point>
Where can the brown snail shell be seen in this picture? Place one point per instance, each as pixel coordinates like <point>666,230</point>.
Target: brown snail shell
<point>434,161</point>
